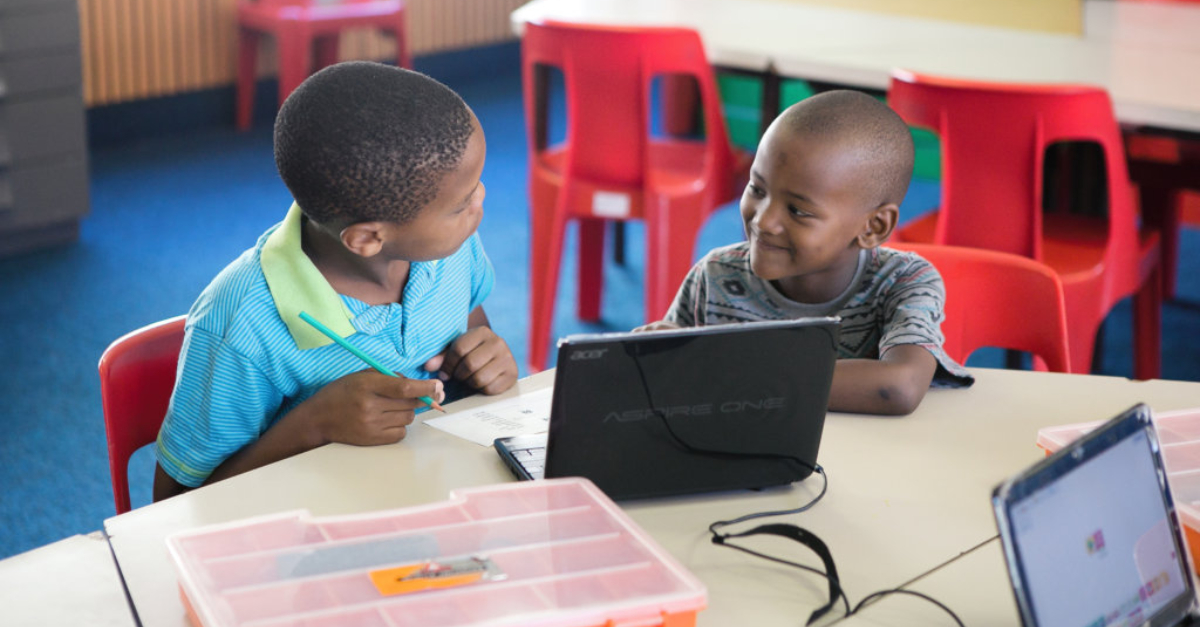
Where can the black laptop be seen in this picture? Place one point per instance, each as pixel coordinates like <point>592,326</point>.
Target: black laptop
<point>1090,533</point>
<point>685,411</point>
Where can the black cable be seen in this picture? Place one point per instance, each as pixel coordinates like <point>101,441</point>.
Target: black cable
<point>718,538</point>
<point>792,532</point>
<point>779,560</point>
<point>883,593</point>
<point>785,512</point>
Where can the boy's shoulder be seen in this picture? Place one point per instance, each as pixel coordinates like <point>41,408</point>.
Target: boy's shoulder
<point>900,265</point>
<point>237,297</point>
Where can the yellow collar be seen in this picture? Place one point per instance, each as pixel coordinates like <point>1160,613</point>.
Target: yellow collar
<point>296,285</point>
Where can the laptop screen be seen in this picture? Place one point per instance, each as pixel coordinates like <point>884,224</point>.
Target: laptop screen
<point>1090,535</point>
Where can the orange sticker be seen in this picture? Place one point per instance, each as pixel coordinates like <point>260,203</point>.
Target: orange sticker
<point>433,575</point>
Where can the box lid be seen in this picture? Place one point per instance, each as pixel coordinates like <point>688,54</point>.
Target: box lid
<point>550,553</point>
<point>1179,435</point>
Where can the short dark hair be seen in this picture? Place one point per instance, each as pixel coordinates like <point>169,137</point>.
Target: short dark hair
<point>861,123</point>
<point>362,141</point>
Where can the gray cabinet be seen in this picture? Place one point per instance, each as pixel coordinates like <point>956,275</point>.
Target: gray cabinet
<point>43,145</point>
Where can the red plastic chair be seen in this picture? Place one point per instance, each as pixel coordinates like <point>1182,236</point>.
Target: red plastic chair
<point>302,28</point>
<point>994,139</point>
<point>999,300</point>
<point>610,167</point>
<point>137,375</point>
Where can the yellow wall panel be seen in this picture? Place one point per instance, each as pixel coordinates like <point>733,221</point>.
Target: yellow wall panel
<point>1056,16</point>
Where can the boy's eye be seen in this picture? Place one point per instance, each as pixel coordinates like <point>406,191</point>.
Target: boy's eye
<point>798,212</point>
<point>755,190</point>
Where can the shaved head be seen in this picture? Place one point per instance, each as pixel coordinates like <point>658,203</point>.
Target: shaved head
<point>865,128</point>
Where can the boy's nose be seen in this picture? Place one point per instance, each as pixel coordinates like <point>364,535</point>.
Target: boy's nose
<point>767,218</point>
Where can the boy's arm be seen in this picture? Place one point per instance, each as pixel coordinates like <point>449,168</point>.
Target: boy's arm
<point>479,357</point>
<point>894,384</point>
<point>364,408</point>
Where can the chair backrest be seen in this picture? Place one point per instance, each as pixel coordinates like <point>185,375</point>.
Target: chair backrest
<point>994,138</point>
<point>137,375</point>
<point>999,300</point>
<point>608,73</point>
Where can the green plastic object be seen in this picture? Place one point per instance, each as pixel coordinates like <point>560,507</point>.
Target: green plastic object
<point>741,100</point>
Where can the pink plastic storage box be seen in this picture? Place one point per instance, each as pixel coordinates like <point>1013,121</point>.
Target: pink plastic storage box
<point>1179,434</point>
<point>554,553</point>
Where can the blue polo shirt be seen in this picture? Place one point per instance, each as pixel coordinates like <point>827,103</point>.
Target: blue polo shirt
<point>248,360</point>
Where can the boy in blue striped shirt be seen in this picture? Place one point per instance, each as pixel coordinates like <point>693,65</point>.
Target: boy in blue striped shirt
<point>384,165</point>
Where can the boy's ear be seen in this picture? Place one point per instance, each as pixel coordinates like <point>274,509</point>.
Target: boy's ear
<point>878,226</point>
<point>364,238</point>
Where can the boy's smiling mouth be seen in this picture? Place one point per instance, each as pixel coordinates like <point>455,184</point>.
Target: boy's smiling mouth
<point>767,246</point>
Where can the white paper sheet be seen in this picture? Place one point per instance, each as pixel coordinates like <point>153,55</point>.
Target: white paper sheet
<point>522,415</point>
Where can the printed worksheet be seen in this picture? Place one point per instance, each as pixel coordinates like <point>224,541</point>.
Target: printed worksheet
<point>522,415</point>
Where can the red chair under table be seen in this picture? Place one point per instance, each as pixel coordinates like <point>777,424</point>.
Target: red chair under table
<point>994,140</point>
<point>137,375</point>
<point>302,29</point>
<point>999,300</point>
<point>610,166</point>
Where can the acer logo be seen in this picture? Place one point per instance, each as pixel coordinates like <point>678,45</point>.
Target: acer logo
<point>705,409</point>
<point>594,353</point>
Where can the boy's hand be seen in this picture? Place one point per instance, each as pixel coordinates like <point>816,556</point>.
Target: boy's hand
<point>657,325</point>
<point>479,358</point>
<point>368,408</point>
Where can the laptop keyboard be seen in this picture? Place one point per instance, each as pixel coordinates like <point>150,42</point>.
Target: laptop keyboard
<point>533,459</point>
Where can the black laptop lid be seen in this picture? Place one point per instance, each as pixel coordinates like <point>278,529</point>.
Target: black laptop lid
<point>1090,533</point>
<point>692,410</point>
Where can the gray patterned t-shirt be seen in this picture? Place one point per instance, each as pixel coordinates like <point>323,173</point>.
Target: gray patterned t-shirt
<point>894,298</point>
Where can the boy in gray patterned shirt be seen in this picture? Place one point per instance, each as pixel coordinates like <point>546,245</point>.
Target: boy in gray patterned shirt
<point>824,194</point>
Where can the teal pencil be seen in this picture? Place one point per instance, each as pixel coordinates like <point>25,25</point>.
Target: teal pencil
<point>367,359</point>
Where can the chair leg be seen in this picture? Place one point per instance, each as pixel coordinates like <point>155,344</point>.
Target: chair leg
<point>1083,327</point>
<point>325,51</point>
<point>590,269</point>
<point>619,242</point>
<point>671,230</point>
<point>403,51</point>
<point>246,77</point>
<point>294,61</point>
<point>1170,245</point>
<point>1158,188</point>
<point>547,227</point>
<point>1147,328</point>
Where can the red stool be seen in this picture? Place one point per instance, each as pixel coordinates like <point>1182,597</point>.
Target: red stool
<point>610,167</point>
<point>303,29</point>
<point>994,139</point>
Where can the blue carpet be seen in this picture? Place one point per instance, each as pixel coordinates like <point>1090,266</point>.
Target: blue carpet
<point>168,212</point>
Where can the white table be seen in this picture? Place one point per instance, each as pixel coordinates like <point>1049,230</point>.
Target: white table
<point>906,494</point>
<point>975,586</point>
<point>1146,54</point>
<point>70,582</point>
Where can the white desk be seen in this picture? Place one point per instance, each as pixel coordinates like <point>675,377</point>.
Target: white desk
<point>71,582</point>
<point>906,494</point>
<point>975,586</point>
<point>1147,55</point>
